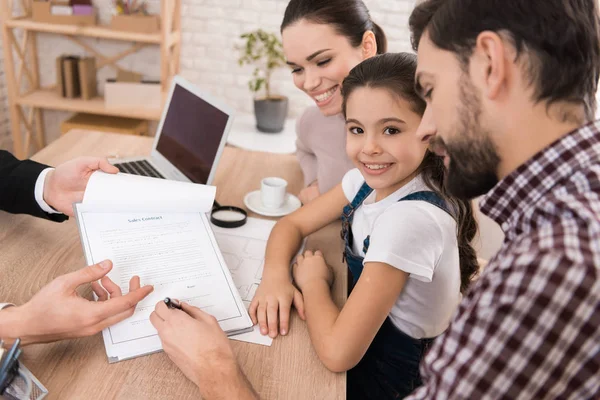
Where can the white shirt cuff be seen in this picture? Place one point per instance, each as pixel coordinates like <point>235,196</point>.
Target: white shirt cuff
<point>39,192</point>
<point>4,305</point>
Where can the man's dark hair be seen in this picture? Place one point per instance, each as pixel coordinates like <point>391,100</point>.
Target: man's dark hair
<point>561,40</point>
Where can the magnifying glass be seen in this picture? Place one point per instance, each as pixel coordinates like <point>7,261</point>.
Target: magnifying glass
<point>228,216</point>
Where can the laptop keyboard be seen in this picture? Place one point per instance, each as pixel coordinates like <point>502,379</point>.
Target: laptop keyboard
<point>142,167</point>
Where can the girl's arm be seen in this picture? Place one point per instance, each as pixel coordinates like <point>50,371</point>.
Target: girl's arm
<point>341,338</point>
<point>272,302</point>
<point>406,240</point>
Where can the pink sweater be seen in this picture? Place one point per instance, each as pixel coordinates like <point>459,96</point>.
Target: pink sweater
<point>321,148</point>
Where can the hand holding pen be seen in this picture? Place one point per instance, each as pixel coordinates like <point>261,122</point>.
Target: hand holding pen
<point>193,340</point>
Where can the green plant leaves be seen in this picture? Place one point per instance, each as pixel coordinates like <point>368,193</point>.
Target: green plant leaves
<point>265,50</point>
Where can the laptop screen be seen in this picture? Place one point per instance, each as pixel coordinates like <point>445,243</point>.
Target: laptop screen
<point>191,134</point>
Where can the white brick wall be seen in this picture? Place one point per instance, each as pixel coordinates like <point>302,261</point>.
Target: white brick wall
<point>211,29</point>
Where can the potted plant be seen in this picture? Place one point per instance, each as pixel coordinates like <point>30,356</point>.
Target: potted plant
<point>265,50</point>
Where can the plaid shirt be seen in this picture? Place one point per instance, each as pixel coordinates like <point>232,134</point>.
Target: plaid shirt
<point>530,327</point>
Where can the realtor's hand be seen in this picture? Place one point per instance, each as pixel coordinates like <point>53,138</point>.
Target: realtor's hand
<point>57,312</point>
<point>66,184</point>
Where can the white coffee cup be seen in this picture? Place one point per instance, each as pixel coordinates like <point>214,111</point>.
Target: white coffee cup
<point>272,192</point>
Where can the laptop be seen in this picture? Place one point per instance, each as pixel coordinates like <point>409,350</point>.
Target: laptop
<point>189,139</point>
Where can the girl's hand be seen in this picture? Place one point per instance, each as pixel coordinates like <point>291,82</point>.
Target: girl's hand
<point>272,304</point>
<point>310,267</point>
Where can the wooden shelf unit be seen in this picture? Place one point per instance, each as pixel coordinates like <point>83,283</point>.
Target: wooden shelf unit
<point>100,32</point>
<point>49,99</point>
<point>27,102</point>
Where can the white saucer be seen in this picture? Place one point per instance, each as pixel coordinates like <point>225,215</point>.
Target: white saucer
<point>254,203</point>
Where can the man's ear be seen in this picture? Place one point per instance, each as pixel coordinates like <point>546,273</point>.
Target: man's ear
<point>369,45</point>
<point>489,63</point>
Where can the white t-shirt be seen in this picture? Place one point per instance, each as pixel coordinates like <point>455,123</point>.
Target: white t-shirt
<point>418,238</point>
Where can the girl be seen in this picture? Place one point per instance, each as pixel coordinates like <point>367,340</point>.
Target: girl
<point>322,42</point>
<point>407,243</point>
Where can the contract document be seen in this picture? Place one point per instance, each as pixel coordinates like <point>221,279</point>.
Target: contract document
<point>158,230</point>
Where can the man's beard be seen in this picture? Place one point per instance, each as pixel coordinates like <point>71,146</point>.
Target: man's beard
<point>473,157</point>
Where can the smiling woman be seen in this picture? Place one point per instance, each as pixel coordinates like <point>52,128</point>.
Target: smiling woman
<point>322,42</point>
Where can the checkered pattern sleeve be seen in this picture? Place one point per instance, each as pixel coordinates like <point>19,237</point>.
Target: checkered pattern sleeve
<point>528,330</point>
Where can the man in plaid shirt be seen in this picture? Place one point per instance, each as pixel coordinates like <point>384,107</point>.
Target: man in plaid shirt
<point>510,88</point>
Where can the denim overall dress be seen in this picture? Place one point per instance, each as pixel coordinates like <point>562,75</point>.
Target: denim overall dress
<point>390,367</point>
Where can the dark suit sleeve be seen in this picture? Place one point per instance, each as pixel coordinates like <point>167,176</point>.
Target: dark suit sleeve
<point>17,187</point>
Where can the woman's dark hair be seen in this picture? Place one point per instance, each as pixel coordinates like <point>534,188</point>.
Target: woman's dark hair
<point>395,72</point>
<point>350,18</point>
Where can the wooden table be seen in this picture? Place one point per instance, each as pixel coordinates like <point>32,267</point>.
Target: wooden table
<point>35,251</point>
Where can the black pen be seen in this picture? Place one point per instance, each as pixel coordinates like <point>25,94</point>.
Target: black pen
<point>172,303</point>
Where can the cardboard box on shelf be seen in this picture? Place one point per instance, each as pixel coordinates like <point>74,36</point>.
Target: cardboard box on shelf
<point>124,75</point>
<point>42,12</point>
<point>104,123</point>
<point>147,94</point>
<point>136,23</point>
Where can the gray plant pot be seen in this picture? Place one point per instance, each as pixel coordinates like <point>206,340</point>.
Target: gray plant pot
<point>270,114</point>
